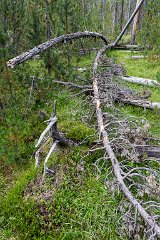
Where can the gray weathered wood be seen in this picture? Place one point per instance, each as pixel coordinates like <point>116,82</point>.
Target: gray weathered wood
<point>150,151</point>
<point>141,81</point>
<point>51,43</point>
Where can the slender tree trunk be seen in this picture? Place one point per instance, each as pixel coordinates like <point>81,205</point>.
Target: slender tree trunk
<point>84,8</point>
<point>121,15</point>
<point>48,23</point>
<point>129,8</point>
<point>115,16</point>
<point>48,34</point>
<point>135,24</point>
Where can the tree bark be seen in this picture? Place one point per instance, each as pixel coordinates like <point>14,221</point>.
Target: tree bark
<point>141,81</point>
<point>150,151</point>
<point>52,43</point>
<point>121,15</point>
<point>135,24</point>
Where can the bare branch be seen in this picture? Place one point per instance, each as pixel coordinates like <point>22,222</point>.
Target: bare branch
<point>48,156</point>
<point>52,122</point>
<point>52,43</point>
<point>141,81</point>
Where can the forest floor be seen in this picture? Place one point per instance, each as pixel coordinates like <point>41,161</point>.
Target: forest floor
<point>74,203</point>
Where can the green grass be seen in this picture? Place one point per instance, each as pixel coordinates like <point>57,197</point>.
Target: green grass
<point>145,68</point>
<point>148,67</point>
<point>80,207</point>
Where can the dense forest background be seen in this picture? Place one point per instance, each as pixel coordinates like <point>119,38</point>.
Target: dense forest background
<point>69,205</point>
<point>25,24</point>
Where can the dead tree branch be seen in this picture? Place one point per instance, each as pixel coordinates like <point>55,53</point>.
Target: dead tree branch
<point>52,122</point>
<point>122,95</point>
<point>52,43</point>
<point>141,81</point>
<point>106,142</point>
<point>48,156</point>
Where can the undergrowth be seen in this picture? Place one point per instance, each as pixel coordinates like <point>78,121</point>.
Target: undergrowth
<point>74,203</point>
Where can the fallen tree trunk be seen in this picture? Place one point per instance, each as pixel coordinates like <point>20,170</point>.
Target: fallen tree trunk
<point>150,151</point>
<point>141,81</point>
<point>106,142</point>
<point>51,43</point>
<point>140,103</point>
<point>129,47</point>
<point>115,164</point>
<point>121,95</point>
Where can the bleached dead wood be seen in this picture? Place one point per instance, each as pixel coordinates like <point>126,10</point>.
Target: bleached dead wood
<point>48,156</point>
<point>32,88</point>
<point>141,81</point>
<point>52,43</point>
<point>73,85</point>
<point>121,95</point>
<point>55,134</point>
<point>38,152</point>
<point>128,23</point>
<point>115,164</point>
<point>141,103</point>
<point>138,57</point>
<point>52,122</point>
<point>106,142</point>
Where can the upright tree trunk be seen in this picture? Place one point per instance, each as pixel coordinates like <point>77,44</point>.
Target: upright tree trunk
<point>115,16</point>
<point>135,24</point>
<point>121,15</point>
<point>84,8</point>
<point>48,23</point>
<point>129,8</point>
<point>48,34</point>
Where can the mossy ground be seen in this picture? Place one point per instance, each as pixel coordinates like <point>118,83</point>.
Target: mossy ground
<point>74,203</point>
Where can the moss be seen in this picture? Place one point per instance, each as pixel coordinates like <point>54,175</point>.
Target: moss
<point>79,206</point>
<point>78,131</point>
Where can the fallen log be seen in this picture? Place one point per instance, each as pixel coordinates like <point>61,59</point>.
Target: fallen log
<point>129,47</point>
<point>150,151</point>
<point>120,96</point>
<point>140,103</point>
<point>115,164</point>
<point>138,57</point>
<point>106,142</point>
<point>52,43</point>
<point>141,81</point>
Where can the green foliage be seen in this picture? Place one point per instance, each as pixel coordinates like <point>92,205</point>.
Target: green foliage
<point>84,215</point>
<point>80,206</point>
<point>137,67</point>
<point>35,32</point>
<point>145,68</point>
<point>15,211</point>
<point>149,34</point>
